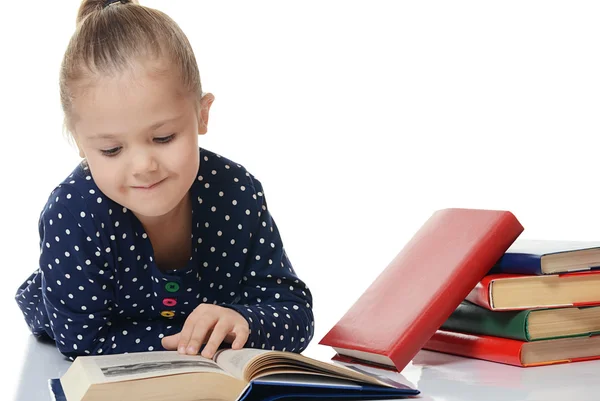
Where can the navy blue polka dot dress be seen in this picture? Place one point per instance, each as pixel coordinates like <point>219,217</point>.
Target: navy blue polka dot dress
<point>98,289</point>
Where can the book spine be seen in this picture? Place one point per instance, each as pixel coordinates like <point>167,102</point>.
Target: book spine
<point>470,318</point>
<point>494,349</point>
<point>480,294</point>
<point>518,263</point>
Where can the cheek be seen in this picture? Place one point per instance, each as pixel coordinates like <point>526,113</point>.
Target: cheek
<point>106,176</point>
<point>186,157</point>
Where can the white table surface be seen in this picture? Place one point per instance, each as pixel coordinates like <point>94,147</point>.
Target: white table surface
<point>440,377</point>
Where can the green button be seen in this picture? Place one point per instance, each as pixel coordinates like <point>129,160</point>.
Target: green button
<point>172,286</point>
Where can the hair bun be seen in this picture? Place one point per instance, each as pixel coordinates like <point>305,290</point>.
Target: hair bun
<point>88,7</point>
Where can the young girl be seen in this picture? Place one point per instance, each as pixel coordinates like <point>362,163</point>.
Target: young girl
<point>152,242</point>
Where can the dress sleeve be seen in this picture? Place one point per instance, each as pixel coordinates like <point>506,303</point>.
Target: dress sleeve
<point>75,290</point>
<point>276,303</point>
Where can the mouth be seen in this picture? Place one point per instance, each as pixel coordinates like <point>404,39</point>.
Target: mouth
<point>150,186</point>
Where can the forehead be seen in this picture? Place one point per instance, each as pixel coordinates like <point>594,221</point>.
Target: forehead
<point>128,100</point>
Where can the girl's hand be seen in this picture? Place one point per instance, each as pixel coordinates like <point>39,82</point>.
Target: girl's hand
<point>210,324</point>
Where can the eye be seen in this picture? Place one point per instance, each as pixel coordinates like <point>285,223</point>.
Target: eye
<point>111,152</point>
<point>164,139</point>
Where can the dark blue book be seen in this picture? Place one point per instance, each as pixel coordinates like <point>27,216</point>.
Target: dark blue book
<point>539,257</point>
<point>165,374</point>
<point>56,390</point>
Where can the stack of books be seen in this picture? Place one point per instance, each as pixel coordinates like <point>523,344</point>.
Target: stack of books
<point>539,305</point>
<point>466,284</point>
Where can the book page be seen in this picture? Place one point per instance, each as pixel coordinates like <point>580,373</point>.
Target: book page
<point>309,380</point>
<point>248,364</point>
<point>234,361</point>
<point>119,367</point>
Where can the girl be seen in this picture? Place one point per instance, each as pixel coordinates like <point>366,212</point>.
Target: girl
<point>152,242</point>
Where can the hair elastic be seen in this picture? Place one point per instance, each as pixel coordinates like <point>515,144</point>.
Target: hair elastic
<point>110,2</point>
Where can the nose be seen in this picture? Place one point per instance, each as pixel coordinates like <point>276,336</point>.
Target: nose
<point>144,162</point>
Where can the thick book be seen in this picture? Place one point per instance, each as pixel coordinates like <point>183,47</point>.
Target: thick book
<point>502,292</point>
<point>246,374</point>
<point>423,285</point>
<point>528,256</point>
<point>515,352</point>
<point>526,325</point>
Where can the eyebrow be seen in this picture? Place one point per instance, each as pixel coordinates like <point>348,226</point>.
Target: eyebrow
<point>153,127</point>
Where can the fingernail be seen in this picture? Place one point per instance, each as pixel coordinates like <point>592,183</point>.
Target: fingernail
<point>181,349</point>
<point>192,350</point>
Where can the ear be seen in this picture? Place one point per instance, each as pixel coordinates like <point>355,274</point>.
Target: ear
<point>204,108</point>
<point>81,154</point>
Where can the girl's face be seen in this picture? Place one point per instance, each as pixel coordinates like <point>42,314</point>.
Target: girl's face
<point>139,134</point>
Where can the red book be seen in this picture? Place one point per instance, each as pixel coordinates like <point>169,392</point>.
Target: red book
<point>515,352</point>
<point>353,361</point>
<point>423,285</point>
<point>504,292</point>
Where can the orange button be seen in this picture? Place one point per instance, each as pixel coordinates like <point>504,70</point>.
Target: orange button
<point>167,313</point>
<point>169,302</point>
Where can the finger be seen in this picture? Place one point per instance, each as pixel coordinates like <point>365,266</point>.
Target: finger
<point>241,336</point>
<point>220,330</point>
<point>186,333</point>
<point>200,334</point>
<point>170,342</point>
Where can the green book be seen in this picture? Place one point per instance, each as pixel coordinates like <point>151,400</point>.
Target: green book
<point>525,325</point>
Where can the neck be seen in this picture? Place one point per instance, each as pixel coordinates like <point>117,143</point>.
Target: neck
<point>170,236</point>
<point>178,216</point>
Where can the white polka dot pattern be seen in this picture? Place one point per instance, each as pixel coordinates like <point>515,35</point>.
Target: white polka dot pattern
<point>98,290</point>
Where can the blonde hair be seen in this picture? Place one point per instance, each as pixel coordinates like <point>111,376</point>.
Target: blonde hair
<point>111,36</point>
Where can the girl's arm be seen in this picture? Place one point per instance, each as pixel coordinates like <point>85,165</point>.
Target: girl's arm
<point>276,303</point>
<point>72,295</point>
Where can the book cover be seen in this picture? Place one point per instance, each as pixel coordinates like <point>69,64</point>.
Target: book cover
<point>514,352</point>
<point>471,318</point>
<point>526,256</point>
<point>345,359</point>
<point>423,285</point>
<point>56,390</point>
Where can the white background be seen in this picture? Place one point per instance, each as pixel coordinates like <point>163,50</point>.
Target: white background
<point>361,118</point>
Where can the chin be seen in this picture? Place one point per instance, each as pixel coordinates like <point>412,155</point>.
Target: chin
<point>151,211</point>
<point>156,207</point>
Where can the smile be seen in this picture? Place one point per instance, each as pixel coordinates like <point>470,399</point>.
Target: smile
<point>151,186</point>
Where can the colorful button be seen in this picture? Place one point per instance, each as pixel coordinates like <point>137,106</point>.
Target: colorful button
<point>167,313</point>
<point>172,286</point>
<point>169,302</point>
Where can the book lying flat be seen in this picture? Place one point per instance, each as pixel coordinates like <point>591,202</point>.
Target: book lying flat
<point>526,325</point>
<point>389,323</point>
<point>246,374</point>
<point>520,292</point>
<point>514,352</point>
<point>526,256</point>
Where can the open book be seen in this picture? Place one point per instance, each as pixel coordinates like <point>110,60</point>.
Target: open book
<point>246,374</point>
